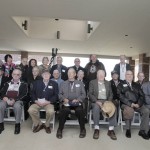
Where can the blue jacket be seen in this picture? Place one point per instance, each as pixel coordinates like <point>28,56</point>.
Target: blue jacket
<point>50,92</point>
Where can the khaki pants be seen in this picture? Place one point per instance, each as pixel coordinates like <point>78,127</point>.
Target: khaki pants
<point>34,113</point>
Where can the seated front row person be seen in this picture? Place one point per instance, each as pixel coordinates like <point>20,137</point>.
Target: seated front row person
<point>44,95</point>
<point>99,92</point>
<point>72,95</point>
<point>132,99</point>
<point>12,95</point>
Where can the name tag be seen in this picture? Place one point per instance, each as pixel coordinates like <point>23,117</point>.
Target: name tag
<point>125,85</point>
<point>77,85</point>
<point>63,70</point>
<point>50,87</point>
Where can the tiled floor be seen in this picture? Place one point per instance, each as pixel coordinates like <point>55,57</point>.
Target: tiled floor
<point>27,140</point>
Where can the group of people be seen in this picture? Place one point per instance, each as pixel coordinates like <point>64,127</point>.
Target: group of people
<point>71,87</point>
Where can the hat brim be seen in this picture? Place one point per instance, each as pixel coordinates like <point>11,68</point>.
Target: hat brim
<point>104,111</point>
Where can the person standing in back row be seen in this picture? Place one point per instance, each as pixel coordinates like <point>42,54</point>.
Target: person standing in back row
<point>61,68</point>
<point>92,67</point>
<point>122,67</point>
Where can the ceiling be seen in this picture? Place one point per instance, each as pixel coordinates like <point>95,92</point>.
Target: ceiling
<point>117,18</point>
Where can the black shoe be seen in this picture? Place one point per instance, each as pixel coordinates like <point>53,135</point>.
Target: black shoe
<point>1,127</point>
<point>128,133</point>
<point>143,134</point>
<point>17,128</point>
<point>59,134</point>
<point>82,133</point>
<point>149,133</point>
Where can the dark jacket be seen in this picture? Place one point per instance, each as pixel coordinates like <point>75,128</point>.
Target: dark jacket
<point>128,95</point>
<point>114,89</point>
<point>63,72</point>
<point>50,93</point>
<point>3,81</point>
<point>117,68</point>
<point>24,70</point>
<point>91,76</point>
<point>93,90</point>
<point>23,90</point>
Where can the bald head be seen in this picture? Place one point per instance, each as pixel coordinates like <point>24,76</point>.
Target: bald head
<point>129,76</point>
<point>77,62</point>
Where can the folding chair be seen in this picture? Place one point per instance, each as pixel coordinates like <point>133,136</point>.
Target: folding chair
<point>101,121</point>
<point>43,119</point>
<point>11,118</point>
<point>136,121</point>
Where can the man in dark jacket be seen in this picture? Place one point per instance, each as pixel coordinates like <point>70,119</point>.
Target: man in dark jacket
<point>13,94</point>
<point>61,68</point>
<point>92,67</point>
<point>77,66</point>
<point>132,99</point>
<point>44,95</point>
<point>122,67</point>
<point>114,83</point>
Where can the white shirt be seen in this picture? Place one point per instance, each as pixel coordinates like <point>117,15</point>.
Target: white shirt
<point>122,71</point>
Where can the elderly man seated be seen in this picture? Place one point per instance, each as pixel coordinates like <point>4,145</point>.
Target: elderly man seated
<point>99,93</point>
<point>12,94</point>
<point>132,99</point>
<point>44,96</point>
<point>72,95</point>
